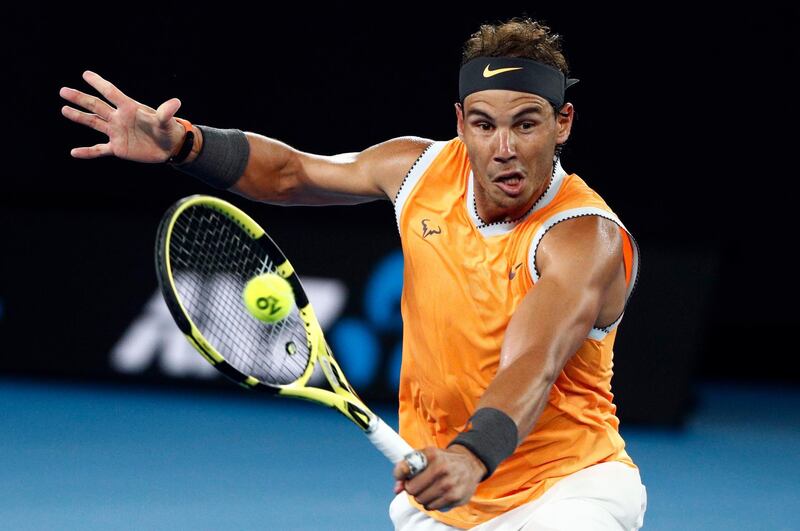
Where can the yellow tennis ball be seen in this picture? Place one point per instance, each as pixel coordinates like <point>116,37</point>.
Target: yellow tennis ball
<point>268,297</point>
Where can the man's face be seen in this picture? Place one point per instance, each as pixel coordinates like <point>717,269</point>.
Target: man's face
<point>510,138</point>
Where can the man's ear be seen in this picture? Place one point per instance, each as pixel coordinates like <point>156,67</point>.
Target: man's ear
<point>460,121</point>
<point>564,121</point>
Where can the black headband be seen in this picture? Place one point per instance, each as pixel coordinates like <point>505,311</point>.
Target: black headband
<point>513,73</point>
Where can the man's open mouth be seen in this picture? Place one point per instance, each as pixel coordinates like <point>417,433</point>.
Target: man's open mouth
<point>510,182</point>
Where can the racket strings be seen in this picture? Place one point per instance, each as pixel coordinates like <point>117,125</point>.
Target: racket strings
<point>212,258</point>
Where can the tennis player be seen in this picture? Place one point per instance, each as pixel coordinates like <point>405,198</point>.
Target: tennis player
<point>516,278</point>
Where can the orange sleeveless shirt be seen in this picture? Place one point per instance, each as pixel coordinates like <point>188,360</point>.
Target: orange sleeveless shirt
<point>462,281</point>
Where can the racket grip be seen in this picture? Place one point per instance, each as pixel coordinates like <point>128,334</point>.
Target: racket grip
<point>388,441</point>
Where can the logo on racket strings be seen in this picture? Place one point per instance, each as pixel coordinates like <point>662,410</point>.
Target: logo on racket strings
<point>271,304</point>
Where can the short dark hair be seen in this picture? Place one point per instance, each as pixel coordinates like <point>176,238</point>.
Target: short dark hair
<point>517,37</point>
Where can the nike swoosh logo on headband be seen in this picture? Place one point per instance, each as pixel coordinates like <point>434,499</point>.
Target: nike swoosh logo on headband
<point>487,72</point>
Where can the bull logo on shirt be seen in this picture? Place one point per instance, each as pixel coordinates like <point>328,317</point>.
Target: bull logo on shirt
<point>427,231</point>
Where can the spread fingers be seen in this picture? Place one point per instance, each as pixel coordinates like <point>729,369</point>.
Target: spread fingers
<point>90,103</point>
<point>90,120</point>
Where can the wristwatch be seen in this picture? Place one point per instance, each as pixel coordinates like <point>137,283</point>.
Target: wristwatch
<point>186,146</point>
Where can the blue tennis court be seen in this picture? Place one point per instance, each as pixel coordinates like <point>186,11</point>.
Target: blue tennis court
<point>94,457</point>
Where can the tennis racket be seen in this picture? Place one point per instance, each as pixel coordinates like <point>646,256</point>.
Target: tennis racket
<point>206,251</point>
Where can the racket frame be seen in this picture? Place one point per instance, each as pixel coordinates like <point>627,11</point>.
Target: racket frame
<point>343,398</point>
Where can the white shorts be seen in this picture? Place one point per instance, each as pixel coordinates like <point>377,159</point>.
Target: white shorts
<point>607,496</point>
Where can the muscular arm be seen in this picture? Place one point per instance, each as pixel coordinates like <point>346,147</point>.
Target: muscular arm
<point>278,173</point>
<point>275,172</point>
<point>579,261</point>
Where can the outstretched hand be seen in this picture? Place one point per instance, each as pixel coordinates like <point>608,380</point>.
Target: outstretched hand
<point>135,131</point>
<point>449,480</point>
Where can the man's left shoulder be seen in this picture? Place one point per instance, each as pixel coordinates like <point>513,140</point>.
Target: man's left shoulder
<point>580,242</point>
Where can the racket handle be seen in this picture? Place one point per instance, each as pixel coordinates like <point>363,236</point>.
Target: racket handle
<point>388,441</point>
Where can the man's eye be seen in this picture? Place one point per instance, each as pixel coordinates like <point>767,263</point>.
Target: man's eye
<point>483,126</point>
<point>527,125</point>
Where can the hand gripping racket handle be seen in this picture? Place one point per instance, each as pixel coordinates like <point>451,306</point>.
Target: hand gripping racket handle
<point>394,447</point>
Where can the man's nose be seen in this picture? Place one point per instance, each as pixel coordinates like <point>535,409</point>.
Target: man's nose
<point>505,145</point>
